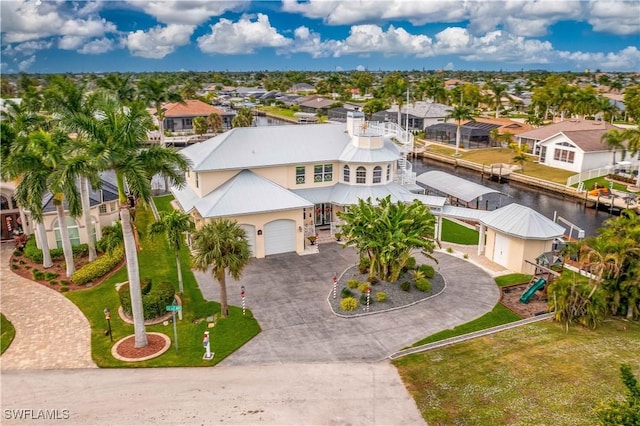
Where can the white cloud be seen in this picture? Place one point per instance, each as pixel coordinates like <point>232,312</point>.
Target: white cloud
<point>449,66</point>
<point>70,42</point>
<point>192,12</point>
<point>26,63</point>
<point>616,17</point>
<point>84,8</point>
<point>307,41</point>
<point>627,58</point>
<point>158,42</point>
<point>367,39</point>
<point>242,37</point>
<point>28,47</point>
<point>98,46</point>
<point>361,68</point>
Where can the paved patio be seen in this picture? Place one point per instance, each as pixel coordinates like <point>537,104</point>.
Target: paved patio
<point>287,295</point>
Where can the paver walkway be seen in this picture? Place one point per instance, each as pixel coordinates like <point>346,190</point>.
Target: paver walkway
<point>51,332</point>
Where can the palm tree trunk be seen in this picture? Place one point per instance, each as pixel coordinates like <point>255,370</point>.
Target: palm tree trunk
<point>66,242</point>
<point>458,140</point>
<point>224,306</point>
<point>44,245</point>
<point>133,272</point>
<point>86,216</point>
<point>179,267</point>
<point>162,143</point>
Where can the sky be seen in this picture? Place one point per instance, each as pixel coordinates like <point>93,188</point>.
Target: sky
<point>55,36</point>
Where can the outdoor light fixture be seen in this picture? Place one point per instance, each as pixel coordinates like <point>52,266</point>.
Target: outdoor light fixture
<point>299,228</point>
<point>259,231</point>
<point>107,316</point>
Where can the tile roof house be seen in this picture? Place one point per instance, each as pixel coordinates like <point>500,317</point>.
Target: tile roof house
<point>281,183</point>
<point>178,116</point>
<point>573,145</point>
<point>420,114</point>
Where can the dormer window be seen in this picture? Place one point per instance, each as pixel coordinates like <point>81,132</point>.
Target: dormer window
<point>361,175</point>
<point>377,174</point>
<point>346,173</point>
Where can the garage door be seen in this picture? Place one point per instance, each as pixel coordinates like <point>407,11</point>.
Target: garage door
<point>501,250</point>
<point>251,236</point>
<point>279,236</point>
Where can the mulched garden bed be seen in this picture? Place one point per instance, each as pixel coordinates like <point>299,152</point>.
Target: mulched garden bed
<point>157,344</point>
<point>396,297</point>
<point>510,297</point>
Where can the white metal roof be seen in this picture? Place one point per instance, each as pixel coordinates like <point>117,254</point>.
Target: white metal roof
<point>464,213</point>
<point>454,185</point>
<point>245,193</point>
<point>344,195</point>
<point>352,154</point>
<point>523,222</point>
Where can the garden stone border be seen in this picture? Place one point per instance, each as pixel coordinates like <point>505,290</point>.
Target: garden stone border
<point>116,355</point>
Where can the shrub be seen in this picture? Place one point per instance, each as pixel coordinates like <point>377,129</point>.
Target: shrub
<point>31,251</point>
<point>345,292</point>
<point>37,274</point>
<point>338,236</point>
<point>14,266</point>
<point>364,265</point>
<point>53,282</point>
<point>410,265</point>
<point>466,255</point>
<point>449,250</point>
<point>64,289</point>
<point>405,286</point>
<point>349,304</point>
<point>417,275</point>
<point>423,284</point>
<point>362,288</point>
<point>99,267</point>
<point>353,283</point>
<point>22,262</point>
<point>64,282</point>
<point>381,296</point>
<point>27,267</point>
<point>50,276</point>
<point>363,299</point>
<point>373,280</point>
<point>153,303</point>
<point>428,271</point>
<point>17,253</point>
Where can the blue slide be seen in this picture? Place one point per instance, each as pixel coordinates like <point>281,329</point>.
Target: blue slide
<point>538,285</point>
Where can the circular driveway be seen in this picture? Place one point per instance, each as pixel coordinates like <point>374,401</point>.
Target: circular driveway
<point>288,296</point>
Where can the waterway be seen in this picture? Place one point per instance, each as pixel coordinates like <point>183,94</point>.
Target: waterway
<point>548,204</point>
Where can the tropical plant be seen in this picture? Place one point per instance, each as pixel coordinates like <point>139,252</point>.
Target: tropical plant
<point>498,92</point>
<point>387,233</point>
<point>627,411</point>
<point>200,125</point>
<point>614,139</point>
<point>156,91</point>
<point>395,90</point>
<point>215,122</point>
<point>173,225</point>
<point>114,136</point>
<point>221,245</point>
<point>243,118</point>
<point>121,85</point>
<point>459,113</point>
<point>519,153</point>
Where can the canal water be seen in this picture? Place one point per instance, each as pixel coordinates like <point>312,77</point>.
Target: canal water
<point>548,204</point>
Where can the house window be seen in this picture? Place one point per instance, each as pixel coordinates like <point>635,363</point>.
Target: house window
<point>187,123</point>
<point>377,174</point>
<point>361,175</point>
<point>300,174</point>
<point>103,208</point>
<point>197,180</point>
<point>74,234</point>
<point>4,203</point>
<point>388,172</point>
<point>563,155</point>
<point>112,207</point>
<point>323,173</point>
<point>346,172</point>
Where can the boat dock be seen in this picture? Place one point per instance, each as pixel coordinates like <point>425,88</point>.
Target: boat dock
<point>611,200</point>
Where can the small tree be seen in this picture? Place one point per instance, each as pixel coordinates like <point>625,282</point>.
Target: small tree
<point>520,153</point>
<point>626,412</point>
<point>215,122</point>
<point>200,125</point>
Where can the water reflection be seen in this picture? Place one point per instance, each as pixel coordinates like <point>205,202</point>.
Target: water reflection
<point>571,209</point>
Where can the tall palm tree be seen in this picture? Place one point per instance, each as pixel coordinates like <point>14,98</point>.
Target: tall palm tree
<point>221,245</point>
<point>121,85</point>
<point>395,88</point>
<point>614,139</point>
<point>114,136</point>
<point>215,122</point>
<point>155,91</point>
<point>459,113</point>
<point>243,118</point>
<point>173,225</point>
<point>498,92</point>
<point>632,135</point>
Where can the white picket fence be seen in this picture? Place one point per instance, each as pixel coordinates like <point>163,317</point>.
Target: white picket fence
<point>589,174</point>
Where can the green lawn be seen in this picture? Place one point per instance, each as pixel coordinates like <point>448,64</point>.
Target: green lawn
<point>158,262</point>
<point>8,332</point>
<point>512,279</point>
<point>538,374</point>
<point>283,112</point>
<point>455,233</point>
<point>603,183</point>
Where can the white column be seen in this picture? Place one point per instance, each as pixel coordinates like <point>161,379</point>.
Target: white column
<point>481,239</point>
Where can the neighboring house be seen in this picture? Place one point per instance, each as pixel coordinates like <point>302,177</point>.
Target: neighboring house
<point>316,105</point>
<point>301,88</point>
<point>178,116</point>
<point>281,183</point>
<point>420,114</point>
<point>574,145</point>
<point>104,212</point>
<point>11,217</point>
<point>473,134</point>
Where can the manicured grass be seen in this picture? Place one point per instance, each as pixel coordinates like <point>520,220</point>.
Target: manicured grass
<point>512,279</point>
<point>538,374</point>
<point>455,233</point>
<point>7,334</point>
<point>163,203</point>
<point>157,261</point>
<point>283,112</point>
<point>499,315</point>
<point>602,183</point>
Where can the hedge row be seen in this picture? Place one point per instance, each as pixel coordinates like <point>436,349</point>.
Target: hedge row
<point>99,267</point>
<point>155,298</point>
<point>32,252</point>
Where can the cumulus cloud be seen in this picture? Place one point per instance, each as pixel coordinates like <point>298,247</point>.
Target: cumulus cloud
<point>361,68</point>
<point>616,17</point>
<point>159,41</point>
<point>367,39</point>
<point>28,47</point>
<point>26,63</point>
<point>607,61</point>
<point>192,12</point>
<point>98,46</point>
<point>70,42</point>
<point>242,37</point>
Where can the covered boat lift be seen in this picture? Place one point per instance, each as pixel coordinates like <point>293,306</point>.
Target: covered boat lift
<point>454,187</point>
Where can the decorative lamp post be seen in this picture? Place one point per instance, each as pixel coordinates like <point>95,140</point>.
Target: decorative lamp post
<point>107,316</point>
<point>242,295</point>
<point>368,297</point>
<point>335,286</point>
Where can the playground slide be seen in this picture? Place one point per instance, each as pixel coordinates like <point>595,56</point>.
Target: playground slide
<point>538,285</point>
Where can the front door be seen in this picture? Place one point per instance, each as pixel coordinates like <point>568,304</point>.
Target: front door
<point>323,214</point>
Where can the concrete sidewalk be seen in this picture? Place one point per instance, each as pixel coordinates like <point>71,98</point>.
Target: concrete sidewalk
<point>51,332</point>
<point>287,294</point>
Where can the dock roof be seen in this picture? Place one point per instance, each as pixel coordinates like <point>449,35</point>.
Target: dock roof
<point>454,186</point>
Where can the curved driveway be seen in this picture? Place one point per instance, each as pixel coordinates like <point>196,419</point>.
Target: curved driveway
<point>287,295</point>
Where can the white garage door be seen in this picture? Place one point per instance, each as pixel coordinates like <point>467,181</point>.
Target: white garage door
<point>279,236</point>
<point>501,250</point>
<point>251,236</point>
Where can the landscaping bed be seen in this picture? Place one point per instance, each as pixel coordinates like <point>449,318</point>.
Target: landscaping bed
<point>510,297</point>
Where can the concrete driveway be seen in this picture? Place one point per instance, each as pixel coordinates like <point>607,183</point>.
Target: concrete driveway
<point>288,296</point>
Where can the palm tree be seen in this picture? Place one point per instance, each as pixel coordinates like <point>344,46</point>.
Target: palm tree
<point>632,136</point>
<point>215,122</point>
<point>395,88</point>
<point>173,225</point>
<point>114,136</point>
<point>223,246</point>
<point>120,85</point>
<point>243,118</point>
<point>155,92</point>
<point>519,153</point>
<point>200,125</point>
<point>498,91</point>
<point>459,113</point>
<point>614,139</point>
